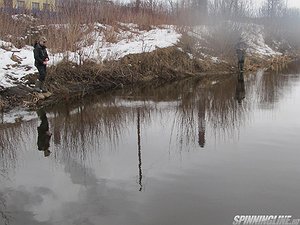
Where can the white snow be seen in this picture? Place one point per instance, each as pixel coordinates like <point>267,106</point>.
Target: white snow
<point>252,34</point>
<point>129,40</point>
<point>215,60</point>
<point>254,37</point>
<point>12,71</point>
<point>17,115</point>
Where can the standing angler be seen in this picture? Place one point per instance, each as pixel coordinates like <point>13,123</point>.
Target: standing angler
<point>41,60</point>
<point>240,49</point>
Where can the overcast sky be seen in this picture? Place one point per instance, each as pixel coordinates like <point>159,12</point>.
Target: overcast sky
<point>294,3</point>
<point>291,3</point>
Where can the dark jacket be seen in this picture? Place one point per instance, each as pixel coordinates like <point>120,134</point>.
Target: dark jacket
<point>240,54</point>
<point>240,49</point>
<point>40,54</point>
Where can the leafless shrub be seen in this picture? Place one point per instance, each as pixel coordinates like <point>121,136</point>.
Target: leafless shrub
<point>223,39</point>
<point>64,26</point>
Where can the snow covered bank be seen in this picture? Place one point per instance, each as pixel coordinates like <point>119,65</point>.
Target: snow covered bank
<point>252,35</point>
<point>16,63</point>
<point>105,42</point>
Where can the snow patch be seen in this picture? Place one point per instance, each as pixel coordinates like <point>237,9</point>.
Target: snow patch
<point>128,39</point>
<point>252,34</point>
<point>254,37</point>
<point>17,115</point>
<point>14,64</point>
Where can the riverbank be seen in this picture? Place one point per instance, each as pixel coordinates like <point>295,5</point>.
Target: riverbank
<point>134,57</point>
<point>69,81</point>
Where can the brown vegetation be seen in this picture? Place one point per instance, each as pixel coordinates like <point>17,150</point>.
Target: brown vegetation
<point>72,20</point>
<point>161,65</point>
<point>70,24</point>
<point>71,81</point>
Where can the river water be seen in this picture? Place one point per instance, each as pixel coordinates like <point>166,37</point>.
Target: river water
<point>196,152</point>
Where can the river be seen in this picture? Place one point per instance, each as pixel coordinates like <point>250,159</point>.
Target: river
<point>195,152</point>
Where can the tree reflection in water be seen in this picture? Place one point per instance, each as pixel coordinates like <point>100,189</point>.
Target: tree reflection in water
<point>4,215</point>
<point>196,108</point>
<point>12,139</point>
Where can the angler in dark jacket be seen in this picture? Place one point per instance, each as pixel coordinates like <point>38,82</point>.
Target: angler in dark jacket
<point>240,49</point>
<point>41,59</point>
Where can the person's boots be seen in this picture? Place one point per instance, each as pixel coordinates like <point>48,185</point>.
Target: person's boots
<point>37,86</point>
<point>43,87</point>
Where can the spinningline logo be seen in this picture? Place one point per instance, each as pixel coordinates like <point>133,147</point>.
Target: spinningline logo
<point>265,220</point>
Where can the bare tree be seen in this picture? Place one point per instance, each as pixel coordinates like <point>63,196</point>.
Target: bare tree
<point>273,8</point>
<point>197,9</point>
<point>231,8</point>
<point>200,6</point>
<point>137,4</point>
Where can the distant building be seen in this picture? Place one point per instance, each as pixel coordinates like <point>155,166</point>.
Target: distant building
<point>34,5</point>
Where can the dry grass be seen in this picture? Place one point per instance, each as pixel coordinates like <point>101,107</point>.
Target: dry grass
<point>69,81</point>
<point>14,31</point>
<point>163,64</point>
<point>73,19</point>
<point>2,104</point>
<point>64,26</point>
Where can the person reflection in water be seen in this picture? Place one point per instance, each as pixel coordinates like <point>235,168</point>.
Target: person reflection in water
<point>240,89</point>
<point>44,134</point>
<point>201,123</point>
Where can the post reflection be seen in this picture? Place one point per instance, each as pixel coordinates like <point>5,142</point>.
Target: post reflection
<point>139,149</point>
<point>240,88</point>
<point>44,135</point>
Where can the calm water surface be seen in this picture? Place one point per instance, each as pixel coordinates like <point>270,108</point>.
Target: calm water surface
<point>190,153</point>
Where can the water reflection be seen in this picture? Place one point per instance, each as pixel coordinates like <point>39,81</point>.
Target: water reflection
<point>107,149</point>
<point>11,135</point>
<point>85,128</point>
<point>139,149</point>
<point>44,135</point>
<point>271,87</point>
<point>201,123</point>
<point>274,85</point>
<point>191,106</point>
<point>3,212</point>
<point>240,88</point>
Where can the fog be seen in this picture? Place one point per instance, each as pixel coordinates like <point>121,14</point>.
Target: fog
<point>289,3</point>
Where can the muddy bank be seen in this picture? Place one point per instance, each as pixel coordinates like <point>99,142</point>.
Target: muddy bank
<point>68,81</point>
